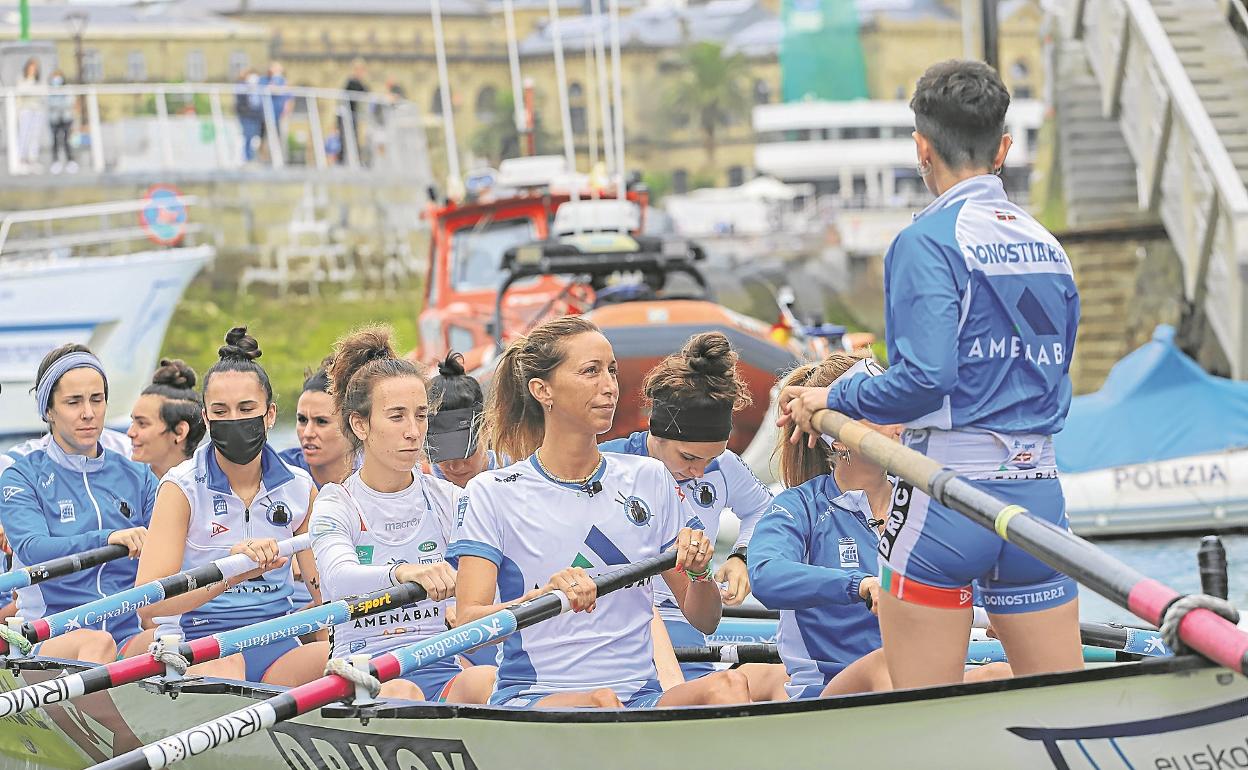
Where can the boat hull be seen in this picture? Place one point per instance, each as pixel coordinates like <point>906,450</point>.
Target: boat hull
<point>1132,715</point>
<point>118,306</point>
<point>1197,493</point>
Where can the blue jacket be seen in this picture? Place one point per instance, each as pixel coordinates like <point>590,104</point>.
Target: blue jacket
<point>980,312</point>
<point>53,504</point>
<point>808,557</point>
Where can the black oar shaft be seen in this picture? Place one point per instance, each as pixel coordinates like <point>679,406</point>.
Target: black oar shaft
<point>65,565</point>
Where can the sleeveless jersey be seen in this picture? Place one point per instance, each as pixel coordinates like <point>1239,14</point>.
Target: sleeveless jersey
<point>360,534</point>
<point>531,526</point>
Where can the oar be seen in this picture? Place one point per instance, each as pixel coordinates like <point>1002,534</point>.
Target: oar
<point>387,666</point>
<point>1203,630</point>
<point>208,648</point>
<point>65,565</point>
<point>132,600</point>
<point>979,652</point>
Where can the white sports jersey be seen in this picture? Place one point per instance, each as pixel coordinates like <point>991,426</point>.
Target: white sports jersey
<point>220,520</point>
<point>359,534</point>
<point>727,482</point>
<point>532,526</point>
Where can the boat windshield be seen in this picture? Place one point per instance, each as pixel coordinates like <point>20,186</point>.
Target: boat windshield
<point>477,252</point>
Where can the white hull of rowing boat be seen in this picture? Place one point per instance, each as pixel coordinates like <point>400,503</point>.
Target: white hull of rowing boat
<point>1157,714</point>
<point>1201,492</point>
<point>118,306</point>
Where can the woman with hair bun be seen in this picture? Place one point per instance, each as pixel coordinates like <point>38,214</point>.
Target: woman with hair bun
<point>389,523</point>
<point>235,495</point>
<point>454,449</point>
<point>167,422</point>
<point>692,396</point>
<point>565,513</point>
<point>323,451</point>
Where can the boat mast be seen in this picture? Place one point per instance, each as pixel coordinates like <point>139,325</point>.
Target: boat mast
<point>565,111</point>
<point>604,95</point>
<point>517,85</point>
<point>621,183</point>
<point>454,180</point>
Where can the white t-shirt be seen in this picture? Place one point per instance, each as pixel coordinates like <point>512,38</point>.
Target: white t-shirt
<point>359,534</point>
<point>531,526</point>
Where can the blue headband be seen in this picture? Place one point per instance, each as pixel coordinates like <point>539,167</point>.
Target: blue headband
<point>58,369</point>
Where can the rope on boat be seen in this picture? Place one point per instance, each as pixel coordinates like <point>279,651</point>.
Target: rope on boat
<point>17,641</point>
<point>344,669</point>
<point>170,657</point>
<point>1180,607</point>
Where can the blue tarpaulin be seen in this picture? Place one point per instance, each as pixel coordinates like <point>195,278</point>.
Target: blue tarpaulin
<point>1156,404</point>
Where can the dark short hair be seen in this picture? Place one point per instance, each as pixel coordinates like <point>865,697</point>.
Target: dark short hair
<point>960,105</point>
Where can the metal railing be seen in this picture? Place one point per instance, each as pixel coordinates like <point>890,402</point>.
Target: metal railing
<point>92,229</point>
<point>210,127</point>
<point>1185,172</point>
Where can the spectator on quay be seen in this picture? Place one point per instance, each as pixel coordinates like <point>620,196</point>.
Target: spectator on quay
<point>354,83</point>
<point>250,109</point>
<point>283,103</point>
<point>29,115</point>
<point>61,121</point>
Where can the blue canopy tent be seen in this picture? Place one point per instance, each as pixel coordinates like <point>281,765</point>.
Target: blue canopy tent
<point>1156,404</point>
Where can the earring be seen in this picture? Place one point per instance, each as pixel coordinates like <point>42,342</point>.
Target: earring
<point>845,456</point>
<point>924,168</point>
<point>550,405</point>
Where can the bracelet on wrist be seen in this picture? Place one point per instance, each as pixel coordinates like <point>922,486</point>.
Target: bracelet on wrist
<point>699,577</point>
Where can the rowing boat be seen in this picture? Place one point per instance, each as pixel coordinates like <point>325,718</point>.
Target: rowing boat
<point>1157,713</point>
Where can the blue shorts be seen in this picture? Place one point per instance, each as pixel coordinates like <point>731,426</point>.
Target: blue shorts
<point>930,554</point>
<point>807,692</point>
<point>483,656</point>
<point>527,696</point>
<point>685,635</point>
<point>258,660</point>
<point>434,681</point>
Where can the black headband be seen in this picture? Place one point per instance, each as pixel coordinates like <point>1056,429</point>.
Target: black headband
<point>691,422</point>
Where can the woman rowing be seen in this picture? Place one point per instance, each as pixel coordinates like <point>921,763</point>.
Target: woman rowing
<point>167,422</point>
<point>389,523</point>
<point>813,556</point>
<point>692,396</point>
<point>323,451</point>
<point>565,512</point>
<point>454,449</point>
<point>981,312</point>
<point>235,495</point>
<point>72,495</point>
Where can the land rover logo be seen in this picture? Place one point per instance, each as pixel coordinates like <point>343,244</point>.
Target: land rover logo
<point>428,546</point>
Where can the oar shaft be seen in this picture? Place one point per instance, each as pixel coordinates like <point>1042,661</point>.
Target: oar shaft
<point>385,667</point>
<point>54,568</point>
<point>1214,637</point>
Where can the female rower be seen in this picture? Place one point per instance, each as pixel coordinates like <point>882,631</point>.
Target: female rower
<point>566,510</point>
<point>981,312</point>
<point>323,451</point>
<point>235,495</point>
<point>167,422</point>
<point>692,395</point>
<point>389,523</point>
<point>454,450</point>
<point>73,495</point>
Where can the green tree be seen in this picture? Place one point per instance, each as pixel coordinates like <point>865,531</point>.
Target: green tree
<point>711,89</point>
<point>498,138</point>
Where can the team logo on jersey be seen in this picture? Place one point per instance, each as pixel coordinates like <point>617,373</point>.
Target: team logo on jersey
<point>636,510</point>
<point>461,510</point>
<point>849,552</point>
<point>45,483</point>
<point>364,553</point>
<point>279,515</point>
<point>219,506</point>
<point>67,511</point>
<point>218,528</point>
<point>777,508</point>
<point>10,491</point>
<point>357,645</point>
<point>582,562</point>
<point>507,479</point>
<point>430,559</point>
<point>428,546</point>
<point>704,494</point>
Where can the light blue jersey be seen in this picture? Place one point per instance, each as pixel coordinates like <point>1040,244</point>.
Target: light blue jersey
<point>980,311</point>
<point>532,526</point>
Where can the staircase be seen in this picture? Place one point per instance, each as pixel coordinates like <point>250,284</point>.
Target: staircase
<point>1173,75</point>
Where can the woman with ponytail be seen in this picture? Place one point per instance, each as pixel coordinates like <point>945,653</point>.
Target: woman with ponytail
<point>167,422</point>
<point>567,512</point>
<point>389,523</point>
<point>235,495</point>
<point>692,396</point>
<point>455,450</point>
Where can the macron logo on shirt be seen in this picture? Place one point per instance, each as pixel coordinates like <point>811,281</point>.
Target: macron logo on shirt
<point>9,492</point>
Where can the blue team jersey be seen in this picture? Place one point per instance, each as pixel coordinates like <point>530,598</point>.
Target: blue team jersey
<point>980,312</point>
<point>808,558</point>
<point>54,504</point>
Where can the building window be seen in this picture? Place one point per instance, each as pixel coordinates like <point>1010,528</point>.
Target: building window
<point>487,104</point>
<point>196,67</point>
<point>680,181</point>
<point>736,176</point>
<point>136,67</point>
<point>762,92</point>
<point>238,64</point>
<point>576,107</point>
<point>92,66</point>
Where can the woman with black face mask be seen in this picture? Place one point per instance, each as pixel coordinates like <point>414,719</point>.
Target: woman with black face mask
<point>235,495</point>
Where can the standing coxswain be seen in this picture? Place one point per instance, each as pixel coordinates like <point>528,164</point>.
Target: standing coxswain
<point>981,311</point>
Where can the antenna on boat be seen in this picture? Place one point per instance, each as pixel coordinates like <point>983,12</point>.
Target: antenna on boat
<point>603,84</point>
<point>454,180</point>
<point>565,110</point>
<point>613,7</point>
<point>513,61</point>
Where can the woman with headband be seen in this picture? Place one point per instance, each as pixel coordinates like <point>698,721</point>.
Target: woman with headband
<point>235,495</point>
<point>167,422</point>
<point>692,396</point>
<point>72,495</point>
